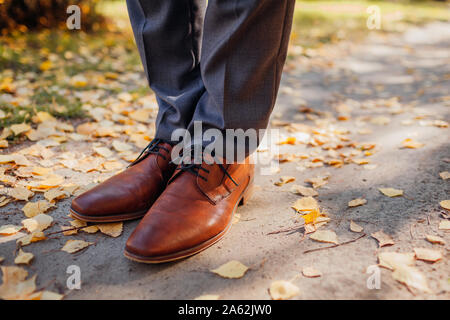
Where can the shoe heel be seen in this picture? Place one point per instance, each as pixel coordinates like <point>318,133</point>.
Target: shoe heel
<point>247,194</point>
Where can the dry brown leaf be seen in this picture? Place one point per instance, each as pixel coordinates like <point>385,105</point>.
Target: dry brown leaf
<point>38,223</point>
<point>355,227</point>
<point>411,277</point>
<point>435,239</point>
<point>311,272</point>
<point>231,270</point>
<point>305,204</point>
<point>23,257</point>
<point>391,192</point>
<point>428,254</point>
<point>357,202</point>
<point>73,246</point>
<point>304,191</point>
<point>90,229</point>
<point>70,231</point>
<point>111,229</point>
<point>283,290</point>
<point>392,260</point>
<point>317,182</point>
<point>325,236</point>
<point>383,238</point>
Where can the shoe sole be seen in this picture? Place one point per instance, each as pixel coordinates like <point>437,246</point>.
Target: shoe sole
<point>113,218</point>
<point>246,194</point>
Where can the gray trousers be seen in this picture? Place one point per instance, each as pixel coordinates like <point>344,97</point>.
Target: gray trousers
<point>220,64</point>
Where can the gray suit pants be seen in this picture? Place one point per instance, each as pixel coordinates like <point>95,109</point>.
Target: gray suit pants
<point>219,63</point>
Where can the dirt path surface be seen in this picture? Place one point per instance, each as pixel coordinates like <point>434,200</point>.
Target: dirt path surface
<point>348,101</point>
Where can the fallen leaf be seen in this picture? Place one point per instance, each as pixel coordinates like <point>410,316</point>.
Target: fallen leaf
<point>444,225</point>
<point>391,192</point>
<point>23,257</point>
<point>305,204</point>
<point>310,272</point>
<point>20,128</point>
<point>445,204</point>
<point>435,239</point>
<point>428,254</point>
<point>411,144</point>
<point>73,246</point>
<point>15,286</point>
<point>111,229</point>
<point>104,152</point>
<point>304,191</point>
<point>49,295</point>
<point>355,227</point>
<point>232,270</point>
<point>121,146</point>
<point>444,175</point>
<point>383,238</point>
<point>32,209</point>
<point>38,223</point>
<point>392,260</point>
<point>284,180</point>
<point>324,236</point>
<point>20,193</point>
<point>30,238</point>
<point>283,290</point>
<point>411,277</point>
<point>9,229</point>
<point>357,202</point>
<point>317,182</point>
<point>90,229</point>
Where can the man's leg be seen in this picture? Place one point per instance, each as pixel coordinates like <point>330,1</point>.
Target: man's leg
<point>168,35</point>
<point>243,52</point>
<point>244,49</point>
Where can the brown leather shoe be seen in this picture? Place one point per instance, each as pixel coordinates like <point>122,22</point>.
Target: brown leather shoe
<point>131,193</point>
<point>194,212</point>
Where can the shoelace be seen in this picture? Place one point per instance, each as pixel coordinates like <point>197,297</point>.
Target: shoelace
<point>195,169</point>
<point>152,148</point>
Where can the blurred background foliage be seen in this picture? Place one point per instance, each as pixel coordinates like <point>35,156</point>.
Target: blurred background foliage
<point>41,61</point>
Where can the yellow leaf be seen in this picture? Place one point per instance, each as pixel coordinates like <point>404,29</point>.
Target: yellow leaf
<point>411,144</point>
<point>32,209</point>
<point>232,270</point>
<point>20,128</point>
<point>46,65</point>
<point>15,286</point>
<point>208,297</point>
<point>73,246</point>
<point>444,175</point>
<point>284,180</point>
<point>445,204</point>
<point>23,257</point>
<point>444,225</point>
<point>428,254</point>
<point>54,194</point>
<point>391,192</point>
<point>30,238</point>
<point>324,236</point>
<point>435,239</point>
<point>305,204</point>
<point>38,223</point>
<point>111,229</point>
<point>121,146</point>
<point>355,227</point>
<point>357,202</point>
<point>9,229</point>
<point>20,193</point>
<point>383,238</point>
<point>411,277</point>
<point>304,191</point>
<point>392,260</point>
<point>283,290</point>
